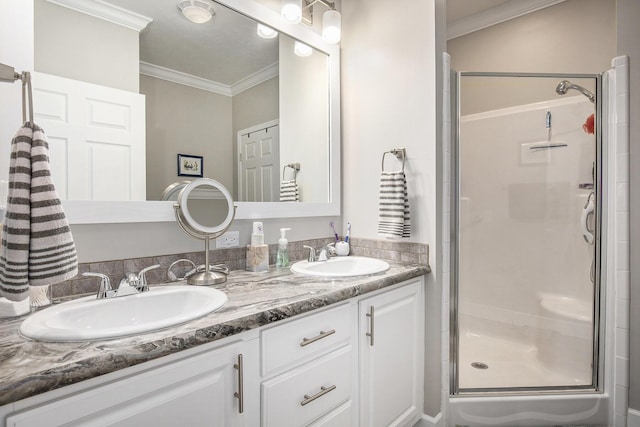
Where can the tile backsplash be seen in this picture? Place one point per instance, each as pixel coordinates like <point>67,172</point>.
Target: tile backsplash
<point>233,258</point>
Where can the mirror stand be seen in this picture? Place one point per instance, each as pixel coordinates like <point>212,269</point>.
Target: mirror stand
<point>206,274</point>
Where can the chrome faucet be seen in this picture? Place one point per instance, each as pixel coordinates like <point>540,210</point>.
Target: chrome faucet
<point>132,284</point>
<point>312,253</point>
<point>139,281</point>
<point>105,290</point>
<point>322,254</point>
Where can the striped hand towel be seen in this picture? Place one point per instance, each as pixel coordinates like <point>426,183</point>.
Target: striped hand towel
<point>37,246</point>
<point>393,214</point>
<point>289,191</point>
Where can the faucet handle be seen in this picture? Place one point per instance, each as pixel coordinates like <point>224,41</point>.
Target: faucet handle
<point>105,289</point>
<point>312,253</point>
<point>142,278</point>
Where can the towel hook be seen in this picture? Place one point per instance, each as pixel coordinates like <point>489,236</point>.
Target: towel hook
<point>400,153</point>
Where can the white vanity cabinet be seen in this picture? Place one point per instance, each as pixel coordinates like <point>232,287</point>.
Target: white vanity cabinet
<point>198,390</point>
<point>391,338</point>
<point>356,362</point>
<point>309,369</point>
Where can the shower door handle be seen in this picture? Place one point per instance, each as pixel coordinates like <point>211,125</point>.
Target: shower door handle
<point>588,209</point>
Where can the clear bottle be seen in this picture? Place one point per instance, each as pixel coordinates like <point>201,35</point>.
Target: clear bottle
<point>282,257</point>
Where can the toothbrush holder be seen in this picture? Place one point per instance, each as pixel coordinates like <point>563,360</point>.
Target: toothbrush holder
<point>342,248</point>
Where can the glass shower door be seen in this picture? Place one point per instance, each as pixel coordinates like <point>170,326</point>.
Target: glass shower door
<point>525,289</point>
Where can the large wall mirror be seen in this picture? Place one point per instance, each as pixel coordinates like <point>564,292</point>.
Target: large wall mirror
<point>212,100</point>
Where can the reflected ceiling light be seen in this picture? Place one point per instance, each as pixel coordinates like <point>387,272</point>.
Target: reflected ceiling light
<point>291,10</point>
<point>302,49</point>
<point>266,32</point>
<point>197,11</point>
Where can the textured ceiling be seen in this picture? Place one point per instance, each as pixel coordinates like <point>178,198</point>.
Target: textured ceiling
<point>225,49</point>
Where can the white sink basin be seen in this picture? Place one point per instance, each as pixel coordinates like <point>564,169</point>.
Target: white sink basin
<point>90,319</point>
<point>347,266</point>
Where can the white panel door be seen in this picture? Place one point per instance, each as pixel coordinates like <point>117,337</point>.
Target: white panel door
<point>96,138</point>
<point>259,166</point>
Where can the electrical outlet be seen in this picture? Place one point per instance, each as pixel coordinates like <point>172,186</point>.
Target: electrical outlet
<point>230,239</point>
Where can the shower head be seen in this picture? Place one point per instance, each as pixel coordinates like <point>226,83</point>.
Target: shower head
<point>565,85</point>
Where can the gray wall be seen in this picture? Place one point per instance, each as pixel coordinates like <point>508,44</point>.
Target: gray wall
<point>572,36</point>
<point>185,120</point>
<point>575,36</point>
<point>628,36</point>
<point>77,46</point>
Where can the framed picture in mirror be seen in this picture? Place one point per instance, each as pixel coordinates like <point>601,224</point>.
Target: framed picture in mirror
<point>189,165</point>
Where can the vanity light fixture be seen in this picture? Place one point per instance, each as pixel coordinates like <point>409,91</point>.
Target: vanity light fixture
<point>266,32</point>
<point>302,49</point>
<point>291,10</point>
<point>294,12</point>
<point>331,25</point>
<point>197,11</point>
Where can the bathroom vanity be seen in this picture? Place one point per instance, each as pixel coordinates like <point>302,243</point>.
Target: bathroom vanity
<point>286,350</point>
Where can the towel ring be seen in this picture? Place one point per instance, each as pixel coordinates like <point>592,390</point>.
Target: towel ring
<point>27,96</point>
<point>294,166</point>
<point>400,153</point>
<point>10,75</point>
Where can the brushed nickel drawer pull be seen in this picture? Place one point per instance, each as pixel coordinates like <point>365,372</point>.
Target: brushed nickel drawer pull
<point>240,393</point>
<point>370,315</point>
<point>323,390</point>
<point>323,334</point>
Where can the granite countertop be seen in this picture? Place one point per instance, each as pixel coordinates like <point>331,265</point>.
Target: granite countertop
<point>28,367</point>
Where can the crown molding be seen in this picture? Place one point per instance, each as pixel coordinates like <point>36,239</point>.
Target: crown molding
<point>495,15</point>
<point>106,11</point>
<point>268,72</point>
<point>179,77</point>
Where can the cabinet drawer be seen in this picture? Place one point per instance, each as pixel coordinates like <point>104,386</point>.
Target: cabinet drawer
<point>286,346</point>
<point>340,417</point>
<point>302,395</point>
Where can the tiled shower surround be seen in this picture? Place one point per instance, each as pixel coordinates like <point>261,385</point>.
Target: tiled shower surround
<point>233,258</point>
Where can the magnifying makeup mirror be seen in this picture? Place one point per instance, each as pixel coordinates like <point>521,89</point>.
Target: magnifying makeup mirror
<point>205,210</point>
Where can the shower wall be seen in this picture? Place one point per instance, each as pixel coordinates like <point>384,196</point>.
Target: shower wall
<point>520,209</point>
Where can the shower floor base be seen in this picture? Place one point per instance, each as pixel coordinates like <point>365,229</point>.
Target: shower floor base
<point>508,363</point>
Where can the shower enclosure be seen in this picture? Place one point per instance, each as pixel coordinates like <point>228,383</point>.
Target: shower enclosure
<point>526,247</point>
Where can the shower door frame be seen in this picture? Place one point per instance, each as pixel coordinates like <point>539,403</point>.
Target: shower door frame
<point>597,380</point>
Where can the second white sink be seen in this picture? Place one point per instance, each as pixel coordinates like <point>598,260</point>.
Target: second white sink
<point>91,319</point>
<point>347,266</point>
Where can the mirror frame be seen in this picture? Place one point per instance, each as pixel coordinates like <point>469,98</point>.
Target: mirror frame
<point>109,212</point>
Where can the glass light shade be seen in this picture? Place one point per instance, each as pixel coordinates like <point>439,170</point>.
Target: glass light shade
<point>331,26</point>
<point>291,10</point>
<point>266,32</point>
<point>196,11</point>
<point>302,49</point>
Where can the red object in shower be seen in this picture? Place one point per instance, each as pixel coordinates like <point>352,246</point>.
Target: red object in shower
<point>589,124</point>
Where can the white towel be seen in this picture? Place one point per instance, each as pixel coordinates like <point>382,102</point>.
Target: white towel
<point>37,245</point>
<point>393,214</point>
<point>289,191</point>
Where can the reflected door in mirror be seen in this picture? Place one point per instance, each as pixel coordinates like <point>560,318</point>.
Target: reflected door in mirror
<point>259,153</point>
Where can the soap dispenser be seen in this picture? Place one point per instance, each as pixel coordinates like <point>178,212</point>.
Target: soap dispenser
<point>282,257</point>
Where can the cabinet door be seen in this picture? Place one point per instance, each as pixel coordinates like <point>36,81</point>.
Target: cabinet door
<point>196,391</point>
<point>391,356</point>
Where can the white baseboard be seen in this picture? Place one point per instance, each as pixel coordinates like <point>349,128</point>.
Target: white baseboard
<point>633,418</point>
<point>428,421</point>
